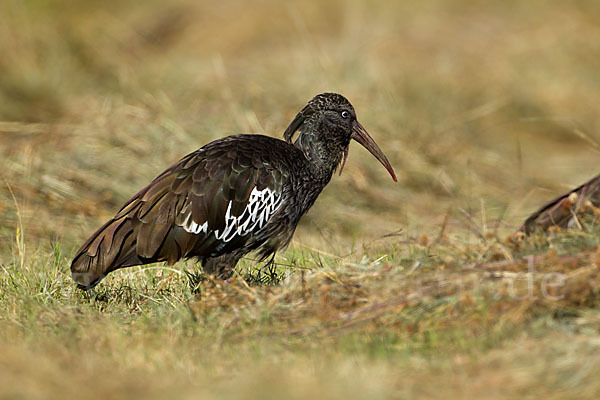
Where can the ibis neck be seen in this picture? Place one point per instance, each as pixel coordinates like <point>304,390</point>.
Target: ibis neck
<point>323,156</point>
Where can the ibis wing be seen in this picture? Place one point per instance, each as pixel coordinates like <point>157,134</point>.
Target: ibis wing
<point>209,202</point>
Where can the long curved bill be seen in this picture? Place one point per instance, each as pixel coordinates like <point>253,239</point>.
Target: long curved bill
<point>360,134</point>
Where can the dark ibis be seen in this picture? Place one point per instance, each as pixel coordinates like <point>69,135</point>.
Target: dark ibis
<point>563,211</point>
<point>235,195</point>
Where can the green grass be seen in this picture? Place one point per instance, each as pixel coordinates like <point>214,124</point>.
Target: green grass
<point>410,290</point>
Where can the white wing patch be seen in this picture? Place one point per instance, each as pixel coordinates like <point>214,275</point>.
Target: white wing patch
<point>262,204</point>
<point>192,227</point>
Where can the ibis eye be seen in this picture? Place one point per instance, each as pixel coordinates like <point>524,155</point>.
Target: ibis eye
<point>345,114</point>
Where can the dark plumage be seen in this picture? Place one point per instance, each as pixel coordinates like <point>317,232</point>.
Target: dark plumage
<point>562,211</point>
<point>234,195</point>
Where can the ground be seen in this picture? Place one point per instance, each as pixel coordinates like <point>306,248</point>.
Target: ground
<point>415,289</point>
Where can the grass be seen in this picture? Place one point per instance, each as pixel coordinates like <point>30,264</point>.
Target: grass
<point>409,290</point>
<point>355,326</point>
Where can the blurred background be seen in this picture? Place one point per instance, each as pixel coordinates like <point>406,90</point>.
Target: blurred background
<point>486,106</point>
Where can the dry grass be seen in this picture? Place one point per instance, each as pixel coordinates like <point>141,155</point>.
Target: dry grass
<point>485,109</point>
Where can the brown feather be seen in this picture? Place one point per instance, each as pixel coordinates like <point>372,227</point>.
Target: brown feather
<point>150,237</point>
<point>96,257</point>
